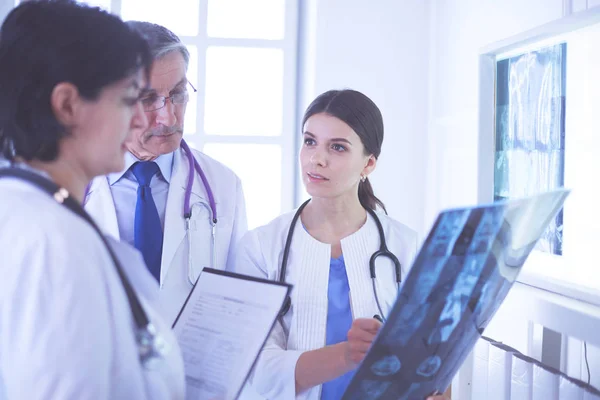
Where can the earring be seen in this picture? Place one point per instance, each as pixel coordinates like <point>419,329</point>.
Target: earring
<point>363,177</point>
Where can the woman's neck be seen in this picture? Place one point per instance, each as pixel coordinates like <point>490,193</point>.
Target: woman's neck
<point>329,220</point>
<point>65,174</point>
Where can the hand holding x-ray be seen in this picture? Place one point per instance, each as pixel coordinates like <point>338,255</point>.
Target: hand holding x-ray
<point>360,337</point>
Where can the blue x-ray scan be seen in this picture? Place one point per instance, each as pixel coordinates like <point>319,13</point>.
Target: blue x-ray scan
<point>387,365</point>
<point>463,272</point>
<point>530,130</point>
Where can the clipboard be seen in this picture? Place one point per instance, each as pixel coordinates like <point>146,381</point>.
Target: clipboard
<point>220,347</point>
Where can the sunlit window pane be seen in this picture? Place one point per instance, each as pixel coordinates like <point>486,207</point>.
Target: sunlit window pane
<point>261,176</point>
<point>192,106</point>
<point>255,19</point>
<point>105,4</point>
<point>180,16</point>
<point>244,91</point>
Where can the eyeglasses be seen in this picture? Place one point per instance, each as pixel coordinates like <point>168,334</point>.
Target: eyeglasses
<point>154,102</point>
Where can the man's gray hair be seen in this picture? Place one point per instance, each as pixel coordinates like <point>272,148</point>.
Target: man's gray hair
<point>161,40</point>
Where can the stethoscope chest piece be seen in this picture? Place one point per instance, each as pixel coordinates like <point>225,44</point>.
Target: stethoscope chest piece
<point>152,347</point>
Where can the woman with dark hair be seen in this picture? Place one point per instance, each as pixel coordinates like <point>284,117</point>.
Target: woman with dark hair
<point>77,316</point>
<point>324,249</point>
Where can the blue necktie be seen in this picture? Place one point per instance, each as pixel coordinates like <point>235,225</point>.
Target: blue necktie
<point>148,235</point>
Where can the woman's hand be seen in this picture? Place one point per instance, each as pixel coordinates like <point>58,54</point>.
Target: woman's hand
<point>360,337</point>
<point>316,367</point>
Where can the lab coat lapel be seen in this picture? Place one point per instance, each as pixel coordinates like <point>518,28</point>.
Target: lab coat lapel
<point>174,230</point>
<point>99,204</point>
<point>357,249</point>
<point>308,328</point>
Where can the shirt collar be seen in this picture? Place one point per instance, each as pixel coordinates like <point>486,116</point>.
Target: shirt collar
<point>164,162</point>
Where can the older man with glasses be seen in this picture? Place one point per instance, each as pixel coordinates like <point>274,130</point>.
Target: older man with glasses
<point>183,210</point>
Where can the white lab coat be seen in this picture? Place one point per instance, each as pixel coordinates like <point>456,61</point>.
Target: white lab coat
<point>232,224</point>
<point>66,329</point>
<point>175,284</point>
<point>261,253</point>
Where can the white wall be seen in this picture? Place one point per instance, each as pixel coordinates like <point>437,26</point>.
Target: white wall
<point>380,48</point>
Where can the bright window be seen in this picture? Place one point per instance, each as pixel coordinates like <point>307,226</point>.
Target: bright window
<point>243,19</point>
<point>180,16</point>
<point>106,4</point>
<point>244,91</point>
<point>254,164</point>
<point>243,64</point>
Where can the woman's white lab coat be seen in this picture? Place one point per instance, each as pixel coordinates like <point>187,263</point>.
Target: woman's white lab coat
<point>261,253</point>
<point>66,329</point>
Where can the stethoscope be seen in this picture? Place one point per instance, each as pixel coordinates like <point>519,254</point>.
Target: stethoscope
<point>382,252</point>
<point>187,210</point>
<point>151,346</point>
<point>194,166</point>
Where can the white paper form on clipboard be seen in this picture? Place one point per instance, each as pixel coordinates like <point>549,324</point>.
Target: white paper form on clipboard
<point>221,329</point>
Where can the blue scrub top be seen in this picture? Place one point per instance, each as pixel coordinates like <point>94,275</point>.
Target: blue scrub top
<point>339,321</point>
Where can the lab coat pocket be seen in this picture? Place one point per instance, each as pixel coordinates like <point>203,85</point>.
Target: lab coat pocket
<point>201,241</point>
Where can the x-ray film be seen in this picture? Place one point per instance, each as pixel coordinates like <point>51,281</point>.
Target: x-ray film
<point>463,272</point>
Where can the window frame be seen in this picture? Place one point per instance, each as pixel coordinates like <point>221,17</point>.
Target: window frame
<point>288,137</point>
<point>287,140</point>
